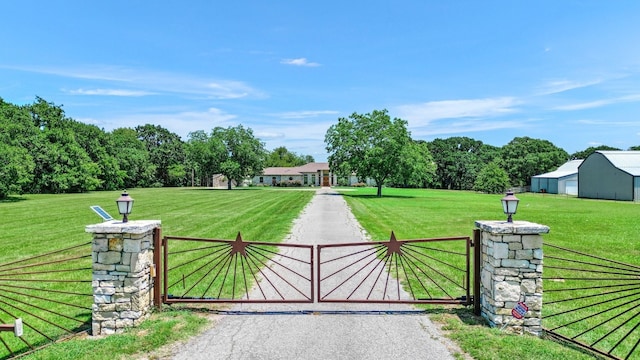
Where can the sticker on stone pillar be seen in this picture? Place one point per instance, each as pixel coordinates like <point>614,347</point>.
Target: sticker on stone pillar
<point>519,310</point>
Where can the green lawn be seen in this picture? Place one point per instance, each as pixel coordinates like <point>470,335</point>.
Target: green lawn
<point>34,224</point>
<point>606,229</point>
<point>38,224</point>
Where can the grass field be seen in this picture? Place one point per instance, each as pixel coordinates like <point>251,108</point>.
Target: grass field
<point>38,224</point>
<point>34,224</point>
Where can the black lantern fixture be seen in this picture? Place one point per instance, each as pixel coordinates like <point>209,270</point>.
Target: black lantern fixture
<point>510,205</point>
<point>125,204</point>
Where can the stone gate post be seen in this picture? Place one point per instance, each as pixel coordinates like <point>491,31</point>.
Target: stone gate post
<point>122,256</point>
<point>511,272</point>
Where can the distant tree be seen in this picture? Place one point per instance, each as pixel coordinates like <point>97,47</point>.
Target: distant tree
<point>281,157</point>
<point>524,157</point>
<point>16,170</point>
<point>61,164</point>
<point>634,148</point>
<point>243,155</point>
<point>133,159</point>
<point>417,168</point>
<point>590,150</point>
<point>17,135</point>
<point>492,179</point>
<point>458,160</point>
<point>166,151</point>
<point>371,145</point>
<point>204,155</point>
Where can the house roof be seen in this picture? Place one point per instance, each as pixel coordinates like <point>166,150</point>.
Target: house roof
<point>628,161</point>
<point>313,167</point>
<point>567,169</point>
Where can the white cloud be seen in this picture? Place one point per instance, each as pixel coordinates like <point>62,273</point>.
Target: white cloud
<point>608,123</point>
<point>108,92</point>
<point>598,103</point>
<point>181,123</point>
<point>153,82</point>
<point>299,62</point>
<point>304,114</point>
<point>462,127</point>
<point>558,86</point>
<point>425,113</point>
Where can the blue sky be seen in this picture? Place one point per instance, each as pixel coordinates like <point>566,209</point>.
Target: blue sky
<point>565,71</point>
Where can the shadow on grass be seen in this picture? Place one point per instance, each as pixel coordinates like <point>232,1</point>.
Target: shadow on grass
<point>372,196</point>
<point>12,199</point>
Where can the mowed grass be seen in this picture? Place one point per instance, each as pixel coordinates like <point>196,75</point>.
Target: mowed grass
<point>606,229</point>
<point>38,224</point>
<point>33,224</point>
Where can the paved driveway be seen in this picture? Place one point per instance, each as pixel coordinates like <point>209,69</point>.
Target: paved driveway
<point>315,331</point>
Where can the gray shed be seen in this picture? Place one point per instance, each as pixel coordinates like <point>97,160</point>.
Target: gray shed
<point>564,180</point>
<point>613,175</point>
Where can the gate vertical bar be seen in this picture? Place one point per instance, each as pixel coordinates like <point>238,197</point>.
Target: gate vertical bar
<point>467,283</point>
<point>165,270</point>
<point>157,281</point>
<point>312,255</point>
<point>477,249</point>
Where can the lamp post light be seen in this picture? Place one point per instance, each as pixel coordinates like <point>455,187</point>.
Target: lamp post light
<point>125,204</point>
<point>510,205</point>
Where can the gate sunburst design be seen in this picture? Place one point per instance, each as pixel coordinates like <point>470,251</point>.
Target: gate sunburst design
<point>434,271</point>
<point>212,270</point>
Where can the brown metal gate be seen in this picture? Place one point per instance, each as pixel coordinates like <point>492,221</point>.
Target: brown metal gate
<point>592,302</point>
<point>197,270</point>
<point>434,271</point>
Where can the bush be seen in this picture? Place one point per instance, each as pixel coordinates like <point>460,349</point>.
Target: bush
<point>360,184</point>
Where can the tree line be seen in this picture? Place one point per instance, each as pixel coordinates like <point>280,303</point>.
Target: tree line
<point>44,151</point>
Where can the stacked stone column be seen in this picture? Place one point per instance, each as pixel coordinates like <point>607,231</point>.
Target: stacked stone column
<point>511,272</point>
<point>122,282</point>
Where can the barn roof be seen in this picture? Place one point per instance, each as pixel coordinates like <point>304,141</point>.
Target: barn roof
<point>567,169</point>
<point>627,161</point>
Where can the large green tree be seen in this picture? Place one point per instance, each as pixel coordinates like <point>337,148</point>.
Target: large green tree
<point>590,150</point>
<point>459,160</point>
<point>492,179</point>
<point>524,157</point>
<point>61,164</point>
<point>282,157</point>
<point>166,152</point>
<point>370,145</point>
<point>132,156</point>
<point>17,135</point>
<point>243,155</point>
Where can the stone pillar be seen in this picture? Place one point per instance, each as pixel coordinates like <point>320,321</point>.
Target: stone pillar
<point>122,283</point>
<point>511,272</point>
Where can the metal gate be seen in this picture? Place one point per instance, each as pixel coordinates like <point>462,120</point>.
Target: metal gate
<point>592,302</point>
<point>434,271</point>
<point>197,270</point>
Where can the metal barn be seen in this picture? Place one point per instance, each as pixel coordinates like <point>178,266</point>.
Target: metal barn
<point>612,175</point>
<point>564,180</point>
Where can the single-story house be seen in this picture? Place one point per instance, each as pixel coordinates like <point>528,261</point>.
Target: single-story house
<point>563,180</point>
<point>613,175</point>
<point>311,174</point>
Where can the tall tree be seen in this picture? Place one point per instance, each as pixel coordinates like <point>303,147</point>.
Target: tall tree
<point>281,157</point>
<point>371,145</point>
<point>459,160</point>
<point>133,159</point>
<point>590,150</point>
<point>492,179</point>
<point>166,152</point>
<point>243,155</point>
<point>17,135</point>
<point>525,157</point>
<point>62,165</point>
<point>417,168</point>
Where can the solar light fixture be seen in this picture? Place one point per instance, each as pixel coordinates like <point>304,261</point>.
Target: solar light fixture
<point>125,204</point>
<point>510,205</point>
